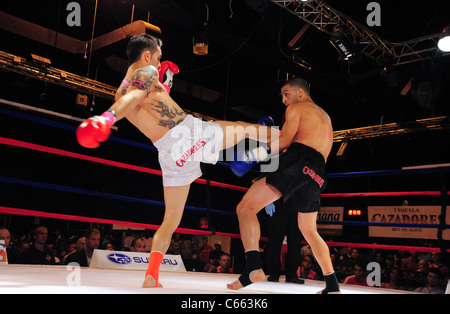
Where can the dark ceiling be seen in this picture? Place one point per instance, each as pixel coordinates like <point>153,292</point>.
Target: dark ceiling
<point>248,58</point>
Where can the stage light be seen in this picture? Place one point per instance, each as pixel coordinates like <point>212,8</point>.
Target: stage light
<point>343,44</point>
<point>200,44</point>
<point>200,39</point>
<point>444,41</point>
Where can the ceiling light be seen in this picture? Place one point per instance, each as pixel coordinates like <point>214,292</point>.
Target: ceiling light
<point>200,39</point>
<point>444,42</point>
<point>343,44</point>
<point>200,44</point>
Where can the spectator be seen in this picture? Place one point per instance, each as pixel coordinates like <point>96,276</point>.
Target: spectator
<point>422,269</point>
<point>187,254</point>
<point>409,262</point>
<point>352,259</point>
<point>71,247</point>
<point>205,250</point>
<point>83,257</point>
<point>109,247</point>
<point>138,245</point>
<point>437,263</point>
<point>359,278</point>
<point>175,244</point>
<point>187,250</point>
<point>432,283</point>
<point>224,264</point>
<point>395,280</point>
<point>210,267</point>
<point>216,253</point>
<point>129,236</point>
<point>305,271</point>
<point>148,240</point>
<point>38,253</point>
<point>13,254</point>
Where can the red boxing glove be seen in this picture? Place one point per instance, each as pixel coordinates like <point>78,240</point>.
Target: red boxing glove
<point>166,72</point>
<point>95,130</point>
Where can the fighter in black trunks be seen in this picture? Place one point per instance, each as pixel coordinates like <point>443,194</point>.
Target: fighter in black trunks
<point>308,137</point>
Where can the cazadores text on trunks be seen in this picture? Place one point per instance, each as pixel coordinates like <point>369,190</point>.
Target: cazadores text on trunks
<point>183,147</point>
<point>301,178</point>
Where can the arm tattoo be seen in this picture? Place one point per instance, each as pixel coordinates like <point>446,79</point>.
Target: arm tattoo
<point>144,77</point>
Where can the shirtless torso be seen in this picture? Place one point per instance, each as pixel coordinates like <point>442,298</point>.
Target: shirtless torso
<point>156,113</point>
<point>306,123</point>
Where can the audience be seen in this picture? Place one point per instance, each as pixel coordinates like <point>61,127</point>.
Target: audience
<point>38,252</point>
<point>84,256</point>
<point>432,285</point>
<point>305,270</point>
<point>359,276</point>
<point>400,270</point>
<point>138,245</point>
<point>224,264</point>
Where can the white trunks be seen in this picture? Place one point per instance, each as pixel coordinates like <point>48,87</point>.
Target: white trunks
<point>183,147</point>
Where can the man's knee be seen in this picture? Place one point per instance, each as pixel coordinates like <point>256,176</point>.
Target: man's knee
<point>246,207</point>
<point>308,231</point>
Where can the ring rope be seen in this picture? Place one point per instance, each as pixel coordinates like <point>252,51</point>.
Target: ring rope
<point>385,194</point>
<point>379,224</point>
<point>67,127</point>
<point>35,213</point>
<point>56,151</point>
<point>36,119</point>
<point>202,181</point>
<point>71,189</point>
<point>62,188</point>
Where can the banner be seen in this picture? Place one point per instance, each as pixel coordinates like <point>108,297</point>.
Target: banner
<point>406,215</point>
<point>330,214</point>
<point>3,255</point>
<point>133,261</point>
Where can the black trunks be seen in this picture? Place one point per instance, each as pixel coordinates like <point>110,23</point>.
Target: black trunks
<point>300,177</point>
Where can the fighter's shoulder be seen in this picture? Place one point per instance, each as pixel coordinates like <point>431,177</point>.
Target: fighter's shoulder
<point>298,108</point>
<point>146,78</point>
<point>147,72</point>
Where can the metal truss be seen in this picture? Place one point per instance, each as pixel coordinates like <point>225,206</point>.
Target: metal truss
<point>13,63</point>
<point>82,84</point>
<point>326,19</point>
<point>423,125</point>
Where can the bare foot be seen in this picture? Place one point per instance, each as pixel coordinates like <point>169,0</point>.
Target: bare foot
<point>255,276</point>
<point>149,282</point>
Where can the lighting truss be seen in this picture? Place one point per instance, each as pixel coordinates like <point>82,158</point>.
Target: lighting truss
<point>422,125</point>
<point>13,63</point>
<point>49,74</point>
<point>326,19</point>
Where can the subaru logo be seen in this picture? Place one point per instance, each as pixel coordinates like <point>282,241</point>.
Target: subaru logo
<point>119,258</point>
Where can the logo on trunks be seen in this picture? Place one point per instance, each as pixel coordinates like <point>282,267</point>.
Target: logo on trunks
<point>180,162</point>
<point>313,175</point>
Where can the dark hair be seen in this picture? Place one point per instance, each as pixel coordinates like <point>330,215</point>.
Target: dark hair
<point>90,232</point>
<point>299,83</point>
<point>138,44</point>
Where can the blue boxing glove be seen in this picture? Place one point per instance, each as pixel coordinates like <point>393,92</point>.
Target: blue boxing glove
<point>270,209</point>
<point>246,159</point>
<point>267,121</point>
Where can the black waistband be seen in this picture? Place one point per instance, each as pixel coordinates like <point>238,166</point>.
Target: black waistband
<point>306,151</point>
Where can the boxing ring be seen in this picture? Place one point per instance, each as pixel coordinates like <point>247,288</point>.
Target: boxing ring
<point>54,279</point>
<point>30,279</point>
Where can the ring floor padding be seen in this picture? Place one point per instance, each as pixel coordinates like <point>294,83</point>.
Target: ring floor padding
<point>31,279</point>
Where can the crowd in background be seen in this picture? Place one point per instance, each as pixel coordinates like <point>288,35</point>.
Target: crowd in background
<point>411,271</point>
